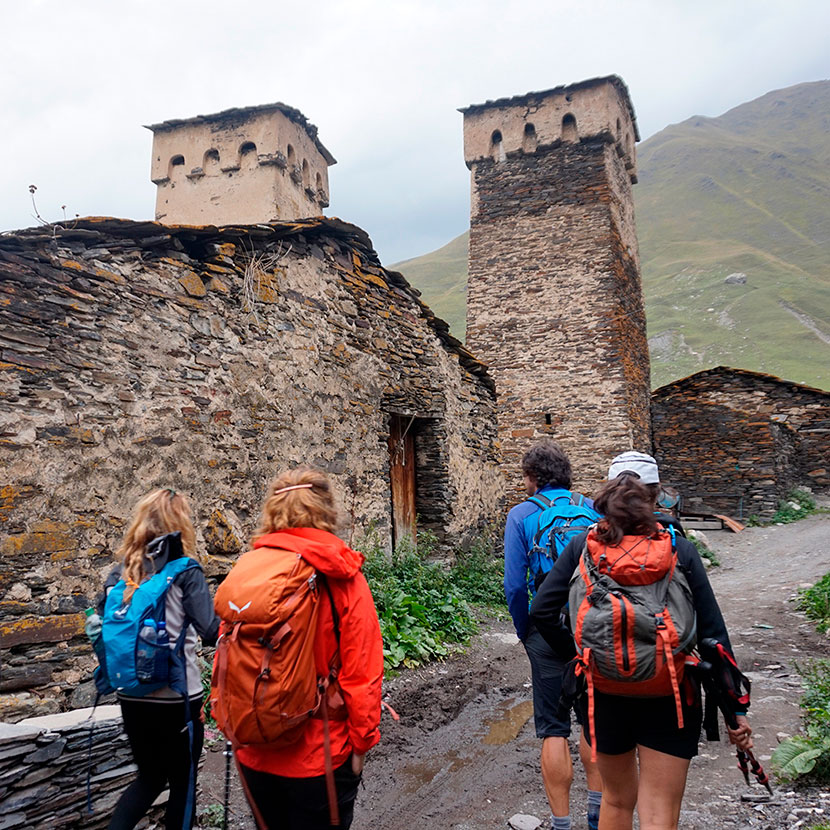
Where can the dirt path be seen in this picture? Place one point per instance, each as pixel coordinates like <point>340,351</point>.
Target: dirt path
<point>465,756</point>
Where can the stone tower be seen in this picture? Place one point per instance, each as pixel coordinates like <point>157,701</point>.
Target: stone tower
<point>239,167</point>
<point>554,297</point>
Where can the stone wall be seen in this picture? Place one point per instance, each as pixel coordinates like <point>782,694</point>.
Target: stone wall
<point>43,768</point>
<point>136,355</point>
<point>749,435</point>
<point>554,303</point>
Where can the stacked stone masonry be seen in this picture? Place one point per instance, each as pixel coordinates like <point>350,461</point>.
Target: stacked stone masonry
<point>43,766</point>
<point>738,441</point>
<point>555,304</point>
<point>135,355</point>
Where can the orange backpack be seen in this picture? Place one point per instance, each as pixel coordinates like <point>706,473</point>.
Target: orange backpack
<point>265,685</point>
<point>633,618</point>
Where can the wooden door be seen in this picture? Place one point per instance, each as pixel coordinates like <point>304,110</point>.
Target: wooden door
<point>402,476</point>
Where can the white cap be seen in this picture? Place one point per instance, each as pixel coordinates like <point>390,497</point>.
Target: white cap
<point>642,465</point>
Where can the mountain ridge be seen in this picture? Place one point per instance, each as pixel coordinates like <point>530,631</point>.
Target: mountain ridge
<point>734,238</point>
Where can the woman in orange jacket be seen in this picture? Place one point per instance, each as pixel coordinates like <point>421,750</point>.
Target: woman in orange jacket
<point>287,784</point>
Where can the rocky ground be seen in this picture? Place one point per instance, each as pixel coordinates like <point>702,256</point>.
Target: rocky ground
<point>464,754</point>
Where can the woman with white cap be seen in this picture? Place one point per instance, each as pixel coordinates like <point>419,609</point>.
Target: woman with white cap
<point>643,744</point>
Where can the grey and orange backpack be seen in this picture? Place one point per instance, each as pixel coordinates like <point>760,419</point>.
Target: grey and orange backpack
<point>633,618</point>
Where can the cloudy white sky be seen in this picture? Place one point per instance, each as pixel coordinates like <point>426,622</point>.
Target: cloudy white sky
<point>382,79</point>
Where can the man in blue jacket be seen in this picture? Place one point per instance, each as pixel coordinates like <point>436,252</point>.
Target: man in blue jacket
<point>546,471</point>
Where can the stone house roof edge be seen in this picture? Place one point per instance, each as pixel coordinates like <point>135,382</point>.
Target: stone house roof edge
<point>148,233</point>
<point>243,112</point>
<point>614,80</point>
<point>666,389</point>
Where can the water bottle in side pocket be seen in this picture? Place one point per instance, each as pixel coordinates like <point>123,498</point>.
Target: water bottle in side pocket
<point>145,656</point>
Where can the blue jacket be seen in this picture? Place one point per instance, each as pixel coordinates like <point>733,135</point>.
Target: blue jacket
<point>519,531</point>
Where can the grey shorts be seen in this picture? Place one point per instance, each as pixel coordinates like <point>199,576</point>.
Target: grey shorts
<point>546,670</point>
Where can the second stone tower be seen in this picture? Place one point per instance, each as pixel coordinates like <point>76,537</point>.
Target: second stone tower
<point>554,296</point>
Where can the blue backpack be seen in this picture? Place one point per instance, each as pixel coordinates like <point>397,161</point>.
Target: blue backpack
<point>132,660</point>
<point>560,519</point>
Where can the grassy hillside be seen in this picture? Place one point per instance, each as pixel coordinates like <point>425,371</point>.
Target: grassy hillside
<point>746,193</point>
<point>734,229</point>
<point>441,277</point>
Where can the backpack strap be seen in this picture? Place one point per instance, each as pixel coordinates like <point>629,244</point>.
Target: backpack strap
<point>542,502</point>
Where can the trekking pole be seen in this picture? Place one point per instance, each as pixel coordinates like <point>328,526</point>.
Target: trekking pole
<point>226,808</point>
<point>719,668</point>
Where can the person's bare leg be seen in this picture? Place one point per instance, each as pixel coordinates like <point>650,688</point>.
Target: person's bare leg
<point>619,790</point>
<point>662,783</point>
<point>591,769</point>
<point>557,774</point>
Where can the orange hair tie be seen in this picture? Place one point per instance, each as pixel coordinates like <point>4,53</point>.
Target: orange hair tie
<point>131,583</point>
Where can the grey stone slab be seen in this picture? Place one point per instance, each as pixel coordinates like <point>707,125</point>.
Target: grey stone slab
<point>12,732</point>
<point>46,753</point>
<point>74,718</point>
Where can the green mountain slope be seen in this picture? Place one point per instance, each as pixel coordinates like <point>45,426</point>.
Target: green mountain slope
<point>734,229</point>
<point>743,194</point>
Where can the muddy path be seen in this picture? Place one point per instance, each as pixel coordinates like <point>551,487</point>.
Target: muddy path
<point>464,754</point>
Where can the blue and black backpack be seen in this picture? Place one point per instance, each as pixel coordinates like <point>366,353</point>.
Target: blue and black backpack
<point>561,518</point>
<point>130,661</point>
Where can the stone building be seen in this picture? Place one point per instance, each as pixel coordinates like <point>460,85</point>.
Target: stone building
<point>135,355</point>
<point>240,166</point>
<point>738,442</point>
<point>554,302</point>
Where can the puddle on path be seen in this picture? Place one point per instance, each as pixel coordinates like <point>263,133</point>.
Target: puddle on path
<point>506,727</point>
<point>421,774</point>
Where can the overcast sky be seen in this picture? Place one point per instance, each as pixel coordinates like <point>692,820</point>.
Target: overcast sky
<point>382,79</point>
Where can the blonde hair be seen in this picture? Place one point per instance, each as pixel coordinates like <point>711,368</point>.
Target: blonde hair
<point>309,502</point>
<point>159,512</point>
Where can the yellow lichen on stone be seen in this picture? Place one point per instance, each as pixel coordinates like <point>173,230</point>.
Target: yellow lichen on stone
<point>217,285</point>
<point>46,537</point>
<point>109,275</point>
<point>267,286</point>
<point>192,283</point>
<point>70,263</point>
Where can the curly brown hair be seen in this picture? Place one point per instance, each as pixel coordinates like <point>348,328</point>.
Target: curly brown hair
<point>310,505</point>
<point>547,463</point>
<point>627,508</point>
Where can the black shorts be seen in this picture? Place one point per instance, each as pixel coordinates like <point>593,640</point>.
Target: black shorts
<point>622,723</point>
<point>546,671</point>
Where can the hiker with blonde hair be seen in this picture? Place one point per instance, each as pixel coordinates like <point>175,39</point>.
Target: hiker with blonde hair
<point>299,664</point>
<point>161,700</point>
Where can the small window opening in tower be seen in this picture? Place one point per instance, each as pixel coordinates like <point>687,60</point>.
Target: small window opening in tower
<point>529,140</point>
<point>306,175</point>
<point>619,130</point>
<point>569,132</point>
<point>497,146</point>
<point>548,418</point>
<point>175,161</point>
<point>210,162</point>
<point>291,155</point>
<point>247,154</point>
<point>318,181</point>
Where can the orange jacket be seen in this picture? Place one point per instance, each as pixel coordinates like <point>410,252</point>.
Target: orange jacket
<point>361,656</point>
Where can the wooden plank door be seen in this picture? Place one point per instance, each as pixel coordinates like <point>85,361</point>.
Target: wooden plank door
<point>402,476</point>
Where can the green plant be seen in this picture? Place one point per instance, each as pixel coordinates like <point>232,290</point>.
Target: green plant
<point>705,553</point>
<point>815,602</point>
<point>205,672</point>
<point>479,572</point>
<point>421,610</point>
<point>212,816</point>
<point>787,512</point>
<point>809,754</point>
